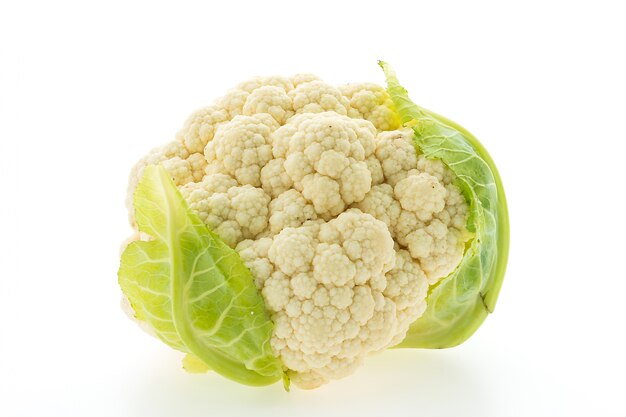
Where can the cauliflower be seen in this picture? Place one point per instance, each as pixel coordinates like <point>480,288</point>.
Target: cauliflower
<point>342,216</point>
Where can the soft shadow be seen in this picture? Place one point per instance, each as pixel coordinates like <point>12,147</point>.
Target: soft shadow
<point>429,383</point>
<point>163,389</point>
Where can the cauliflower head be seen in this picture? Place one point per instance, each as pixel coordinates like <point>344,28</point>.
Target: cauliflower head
<point>343,222</point>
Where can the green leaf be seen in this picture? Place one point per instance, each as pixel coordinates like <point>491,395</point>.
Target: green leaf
<point>194,365</point>
<point>193,289</point>
<point>459,303</point>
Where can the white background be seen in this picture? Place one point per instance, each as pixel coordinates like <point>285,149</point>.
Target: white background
<point>87,88</point>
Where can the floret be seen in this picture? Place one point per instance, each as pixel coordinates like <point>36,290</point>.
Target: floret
<point>318,97</point>
<point>183,166</point>
<point>326,294</point>
<point>239,213</point>
<point>396,154</point>
<point>406,283</point>
<point>242,147</point>
<point>373,103</point>
<point>271,100</point>
<point>200,127</point>
<point>325,158</point>
<point>290,209</point>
